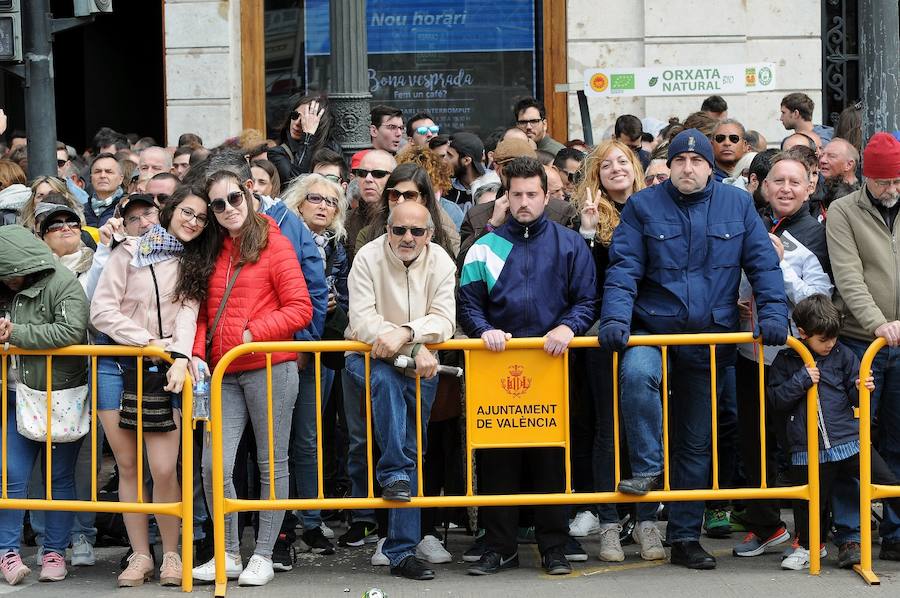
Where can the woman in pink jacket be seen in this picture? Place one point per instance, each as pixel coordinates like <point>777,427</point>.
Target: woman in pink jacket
<point>144,299</point>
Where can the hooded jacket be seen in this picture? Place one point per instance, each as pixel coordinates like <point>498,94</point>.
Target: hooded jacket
<point>49,313</point>
<point>12,200</point>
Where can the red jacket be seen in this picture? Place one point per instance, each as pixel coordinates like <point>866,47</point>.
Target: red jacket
<point>269,298</point>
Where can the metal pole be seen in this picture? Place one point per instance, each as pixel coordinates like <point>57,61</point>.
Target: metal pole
<point>350,95</point>
<point>40,102</point>
<point>879,62</point>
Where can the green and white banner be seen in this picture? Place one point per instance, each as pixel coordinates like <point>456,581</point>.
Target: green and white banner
<point>701,80</point>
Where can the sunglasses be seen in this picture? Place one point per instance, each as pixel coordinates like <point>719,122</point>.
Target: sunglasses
<point>60,225</point>
<point>432,129</point>
<point>333,178</point>
<point>61,163</point>
<point>190,214</point>
<point>294,115</point>
<point>660,178</point>
<point>400,231</point>
<point>363,173</point>
<point>395,195</point>
<point>234,198</point>
<point>315,198</point>
<point>732,138</point>
<point>574,177</point>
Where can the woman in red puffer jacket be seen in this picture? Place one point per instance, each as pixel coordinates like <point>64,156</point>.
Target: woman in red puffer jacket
<point>268,302</point>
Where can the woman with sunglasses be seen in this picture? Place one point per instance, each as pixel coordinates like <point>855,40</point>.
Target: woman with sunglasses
<point>149,294</point>
<point>613,173</point>
<point>41,187</point>
<point>306,129</point>
<point>410,182</point>
<point>256,292</point>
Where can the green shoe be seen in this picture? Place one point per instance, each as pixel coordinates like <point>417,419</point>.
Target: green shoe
<point>736,518</point>
<point>716,524</point>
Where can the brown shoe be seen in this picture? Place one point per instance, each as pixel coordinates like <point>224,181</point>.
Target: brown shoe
<point>170,571</point>
<point>139,570</point>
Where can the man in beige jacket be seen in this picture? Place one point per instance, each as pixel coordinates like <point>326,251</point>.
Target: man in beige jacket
<point>401,290</point>
<point>863,245</point>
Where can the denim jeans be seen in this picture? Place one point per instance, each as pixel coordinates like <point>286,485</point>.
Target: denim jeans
<point>394,422</point>
<point>243,400</point>
<point>357,467</point>
<point>304,439</point>
<point>690,415</point>
<point>20,459</point>
<point>599,364</point>
<point>885,401</point>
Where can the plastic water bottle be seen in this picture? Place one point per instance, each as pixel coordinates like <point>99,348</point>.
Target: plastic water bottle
<point>201,395</point>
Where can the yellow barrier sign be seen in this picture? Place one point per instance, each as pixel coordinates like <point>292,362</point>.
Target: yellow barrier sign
<point>516,397</point>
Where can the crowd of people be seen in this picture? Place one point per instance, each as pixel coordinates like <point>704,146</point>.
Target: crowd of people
<point>679,227</point>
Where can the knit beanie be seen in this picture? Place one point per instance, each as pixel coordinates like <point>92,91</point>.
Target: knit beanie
<point>691,140</point>
<point>881,158</point>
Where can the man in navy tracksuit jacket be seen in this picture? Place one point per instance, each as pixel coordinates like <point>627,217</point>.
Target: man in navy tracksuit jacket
<point>530,277</point>
<point>675,267</point>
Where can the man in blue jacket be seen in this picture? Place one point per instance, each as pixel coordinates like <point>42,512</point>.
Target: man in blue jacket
<point>528,277</point>
<point>675,267</point>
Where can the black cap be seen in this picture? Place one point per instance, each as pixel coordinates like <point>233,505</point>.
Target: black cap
<point>468,144</point>
<point>136,198</point>
<point>44,212</point>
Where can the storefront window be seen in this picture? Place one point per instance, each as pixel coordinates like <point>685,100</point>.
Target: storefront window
<point>464,61</point>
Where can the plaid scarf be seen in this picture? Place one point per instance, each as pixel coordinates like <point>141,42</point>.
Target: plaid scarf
<point>157,245</point>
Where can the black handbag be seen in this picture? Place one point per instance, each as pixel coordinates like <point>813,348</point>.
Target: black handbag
<point>156,406</point>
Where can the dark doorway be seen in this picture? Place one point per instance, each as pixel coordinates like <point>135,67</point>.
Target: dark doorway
<point>107,73</point>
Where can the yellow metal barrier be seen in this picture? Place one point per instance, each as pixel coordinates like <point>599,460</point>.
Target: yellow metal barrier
<point>867,490</point>
<point>183,509</point>
<point>531,351</point>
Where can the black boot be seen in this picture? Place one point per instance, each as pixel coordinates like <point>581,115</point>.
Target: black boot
<point>691,555</point>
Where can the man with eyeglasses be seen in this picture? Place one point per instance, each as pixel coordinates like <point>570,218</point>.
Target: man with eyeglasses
<point>568,163</point>
<point>728,148</point>
<point>531,117</point>
<point>372,173</point>
<point>657,172</point>
<point>528,277</point>
<point>420,129</point>
<point>386,129</point>
<point>401,297</point>
<point>862,230</point>
<point>106,181</point>
<point>161,186</point>
<point>629,130</point>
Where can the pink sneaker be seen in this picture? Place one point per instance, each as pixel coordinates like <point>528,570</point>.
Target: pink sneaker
<point>53,567</point>
<point>14,570</point>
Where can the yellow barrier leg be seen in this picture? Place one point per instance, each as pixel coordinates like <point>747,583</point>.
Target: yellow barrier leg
<point>218,473</point>
<point>864,568</point>
<point>187,488</point>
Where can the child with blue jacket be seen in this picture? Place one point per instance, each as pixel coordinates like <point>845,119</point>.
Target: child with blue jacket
<point>836,373</point>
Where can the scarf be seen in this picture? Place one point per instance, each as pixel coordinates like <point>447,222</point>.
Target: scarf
<point>157,245</point>
<point>98,205</point>
<point>321,243</point>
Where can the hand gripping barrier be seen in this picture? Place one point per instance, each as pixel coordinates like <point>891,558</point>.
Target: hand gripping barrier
<point>505,372</point>
<point>183,509</point>
<point>867,490</point>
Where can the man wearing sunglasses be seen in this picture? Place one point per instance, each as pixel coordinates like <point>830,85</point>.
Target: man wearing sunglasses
<point>528,277</point>
<point>729,147</point>
<point>372,175</point>
<point>401,297</point>
<point>421,129</point>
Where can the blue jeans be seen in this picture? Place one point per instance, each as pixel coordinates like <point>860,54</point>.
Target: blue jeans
<point>690,411</point>
<point>304,439</point>
<point>394,422</point>
<point>20,458</point>
<point>357,467</point>
<point>640,379</point>
<point>885,401</point>
<point>599,364</point>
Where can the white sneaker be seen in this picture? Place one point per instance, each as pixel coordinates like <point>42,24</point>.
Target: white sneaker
<point>610,545</point>
<point>326,531</point>
<point>207,571</point>
<point>258,572</point>
<point>798,561</point>
<point>430,549</point>
<point>82,552</point>
<point>378,559</point>
<point>584,524</point>
<point>648,536</point>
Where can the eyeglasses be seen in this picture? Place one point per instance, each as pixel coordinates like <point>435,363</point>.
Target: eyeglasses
<point>234,198</point>
<point>190,214</point>
<point>659,178</point>
<point>885,183</point>
<point>391,127</point>
<point>425,130</point>
<point>400,231</point>
<point>294,115</point>
<point>61,163</point>
<point>732,138</point>
<point>315,198</point>
<point>160,198</point>
<point>363,173</point>
<point>395,194</point>
<point>145,215</point>
<point>532,121</point>
<point>333,178</point>
<point>60,225</point>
